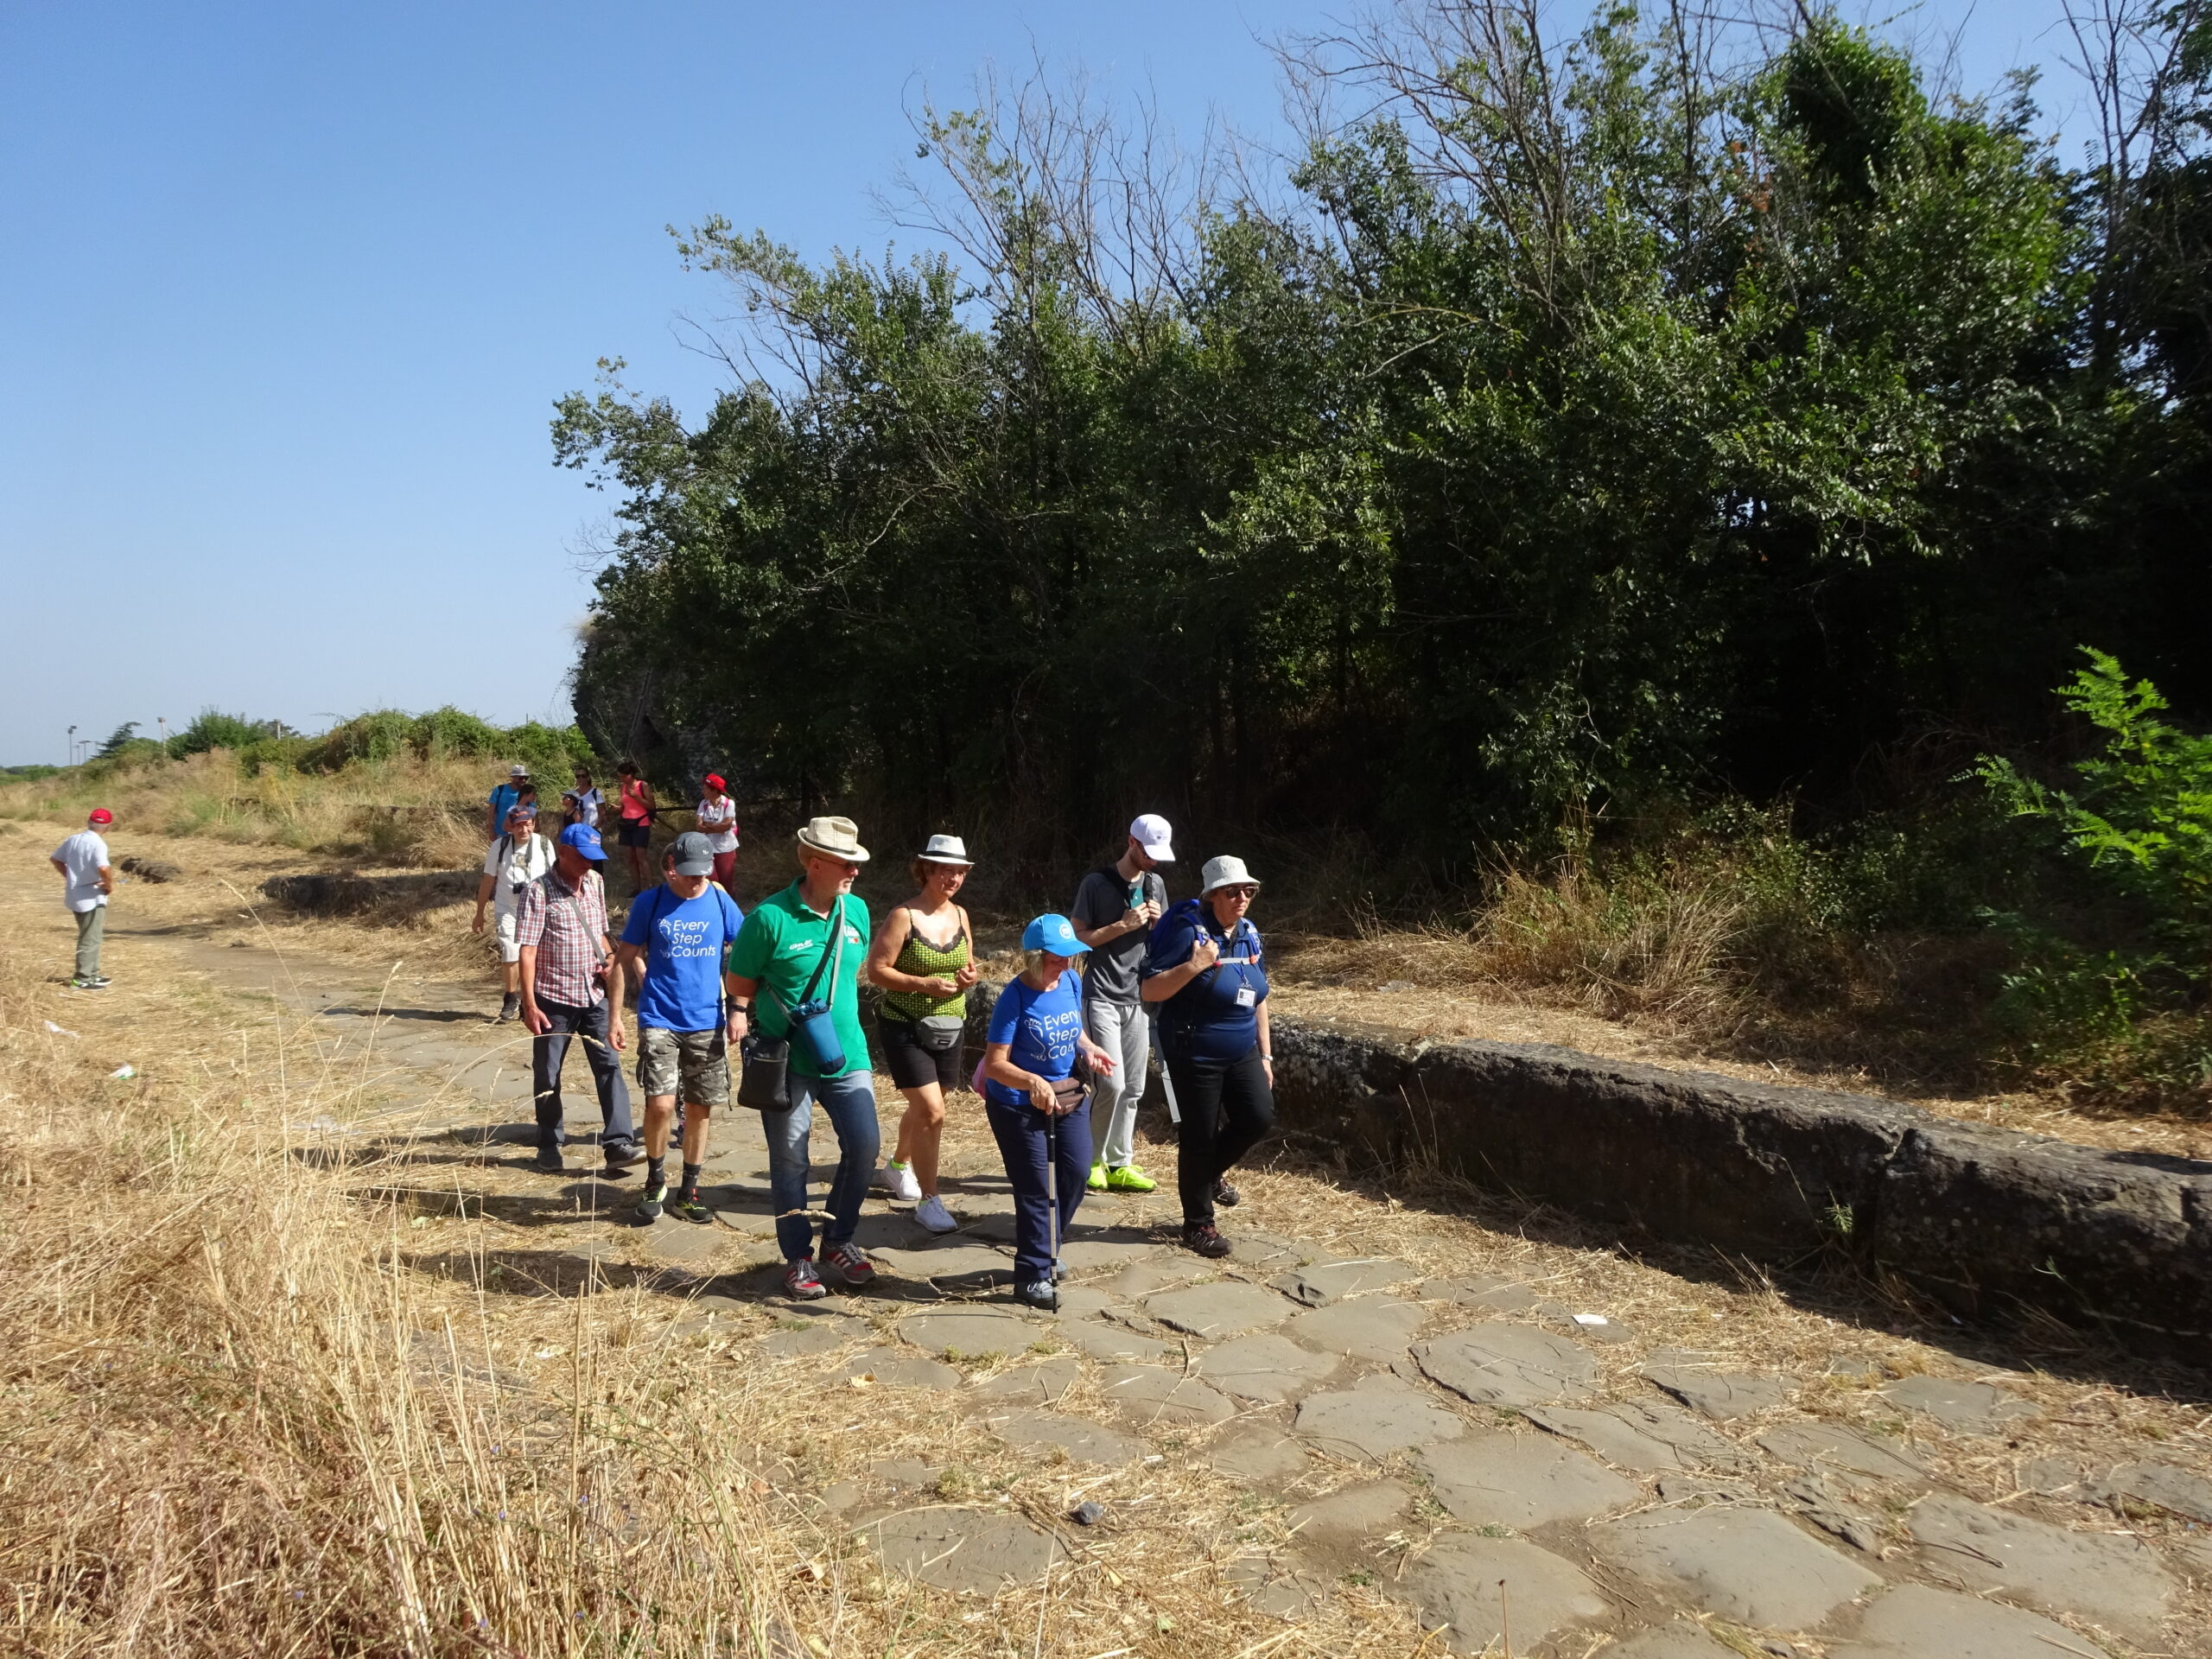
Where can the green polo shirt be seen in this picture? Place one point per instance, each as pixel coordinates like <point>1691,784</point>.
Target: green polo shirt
<point>780,945</point>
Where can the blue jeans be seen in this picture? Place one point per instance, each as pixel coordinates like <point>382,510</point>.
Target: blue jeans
<point>1020,1133</point>
<point>850,1103</point>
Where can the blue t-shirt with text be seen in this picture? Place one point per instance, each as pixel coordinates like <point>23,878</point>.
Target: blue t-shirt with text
<point>683,941</point>
<point>1040,1029</point>
<point>1217,1016</point>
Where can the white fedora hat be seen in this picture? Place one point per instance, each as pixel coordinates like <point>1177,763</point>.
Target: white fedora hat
<point>946,849</point>
<point>1227,871</point>
<point>839,837</point>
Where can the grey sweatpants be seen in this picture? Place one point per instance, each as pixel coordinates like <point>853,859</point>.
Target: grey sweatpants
<point>91,924</point>
<point>1122,1030</point>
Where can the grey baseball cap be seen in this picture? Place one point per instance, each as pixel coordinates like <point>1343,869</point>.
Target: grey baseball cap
<point>693,853</point>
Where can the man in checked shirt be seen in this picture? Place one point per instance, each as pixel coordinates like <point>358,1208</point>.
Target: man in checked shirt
<point>572,986</point>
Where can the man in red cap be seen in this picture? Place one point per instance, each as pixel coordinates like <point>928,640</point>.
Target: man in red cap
<point>82,860</point>
<point>717,820</point>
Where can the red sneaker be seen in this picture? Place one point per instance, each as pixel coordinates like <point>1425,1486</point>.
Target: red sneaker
<point>852,1263</point>
<point>802,1283</point>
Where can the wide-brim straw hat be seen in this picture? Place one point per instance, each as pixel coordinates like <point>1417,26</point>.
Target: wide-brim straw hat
<point>946,849</point>
<point>838,837</point>
<point>1227,871</point>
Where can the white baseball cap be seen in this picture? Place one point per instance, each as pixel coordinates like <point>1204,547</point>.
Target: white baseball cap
<point>1150,833</point>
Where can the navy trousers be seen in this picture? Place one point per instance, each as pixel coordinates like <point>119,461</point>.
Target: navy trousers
<point>1020,1133</point>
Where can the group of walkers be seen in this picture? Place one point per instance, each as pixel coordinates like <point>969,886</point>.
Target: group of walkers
<point>1065,1052</point>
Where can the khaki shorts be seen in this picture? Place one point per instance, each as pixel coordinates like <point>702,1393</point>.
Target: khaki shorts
<point>697,1060</point>
<point>503,929</point>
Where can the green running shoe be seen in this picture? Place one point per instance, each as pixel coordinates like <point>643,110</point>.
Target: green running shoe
<point>1097,1181</point>
<point>686,1205</point>
<point>1128,1177</point>
<point>649,1206</point>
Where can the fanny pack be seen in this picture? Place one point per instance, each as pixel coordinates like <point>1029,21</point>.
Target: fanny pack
<point>938,1034</point>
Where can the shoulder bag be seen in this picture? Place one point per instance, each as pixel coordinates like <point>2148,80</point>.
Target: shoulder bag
<point>765,1083</point>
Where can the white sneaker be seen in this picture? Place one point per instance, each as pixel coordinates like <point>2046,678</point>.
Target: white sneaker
<point>898,1179</point>
<point>933,1215</point>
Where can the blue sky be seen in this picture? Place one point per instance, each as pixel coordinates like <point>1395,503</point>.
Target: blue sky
<point>288,292</point>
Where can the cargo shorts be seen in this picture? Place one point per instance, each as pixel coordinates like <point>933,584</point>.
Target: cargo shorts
<point>695,1064</point>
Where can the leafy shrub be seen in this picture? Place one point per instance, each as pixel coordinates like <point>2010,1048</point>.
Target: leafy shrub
<point>380,734</point>
<point>214,729</point>
<point>448,733</point>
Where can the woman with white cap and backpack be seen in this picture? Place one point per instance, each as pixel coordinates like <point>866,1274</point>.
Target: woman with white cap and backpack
<point>924,961</point>
<point>1203,971</point>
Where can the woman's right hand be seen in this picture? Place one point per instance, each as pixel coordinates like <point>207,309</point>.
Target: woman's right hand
<point>1041,1095</point>
<point>1204,953</point>
<point>940,989</point>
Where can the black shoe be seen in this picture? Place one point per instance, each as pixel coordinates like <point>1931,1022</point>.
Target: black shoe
<point>509,1009</point>
<point>687,1205</point>
<point>649,1205</point>
<point>1202,1238</point>
<point>1225,1195</point>
<point>620,1158</point>
<point>550,1161</point>
<point>1039,1295</point>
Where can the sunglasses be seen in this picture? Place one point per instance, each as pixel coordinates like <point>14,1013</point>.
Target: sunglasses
<point>1237,892</point>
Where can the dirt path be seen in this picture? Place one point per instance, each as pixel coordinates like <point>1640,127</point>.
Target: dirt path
<point>1385,1405</point>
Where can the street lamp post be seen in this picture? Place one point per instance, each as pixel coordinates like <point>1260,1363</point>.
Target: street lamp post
<point>73,745</point>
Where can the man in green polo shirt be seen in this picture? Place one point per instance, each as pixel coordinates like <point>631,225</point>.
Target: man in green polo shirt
<point>770,965</point>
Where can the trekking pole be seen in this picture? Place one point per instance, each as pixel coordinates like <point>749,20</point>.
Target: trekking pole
<point>1167,1082</point>
<point>1053,1188</point>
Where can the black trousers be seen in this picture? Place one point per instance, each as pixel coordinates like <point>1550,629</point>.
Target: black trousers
<point>1228,1110</point>
<point>551,1049</point>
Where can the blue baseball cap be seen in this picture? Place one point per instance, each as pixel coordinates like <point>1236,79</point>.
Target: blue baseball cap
<point>585,840</point>
<point>1054,933</point>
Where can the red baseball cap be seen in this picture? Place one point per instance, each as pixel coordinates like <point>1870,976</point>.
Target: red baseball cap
<point>99,815</point>
<point>714,781</point>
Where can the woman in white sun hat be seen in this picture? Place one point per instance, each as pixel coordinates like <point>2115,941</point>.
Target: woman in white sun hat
<point>924,961</point>
<point>1204,972</point>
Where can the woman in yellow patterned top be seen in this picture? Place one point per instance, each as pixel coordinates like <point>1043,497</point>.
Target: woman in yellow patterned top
<point>924,959</point>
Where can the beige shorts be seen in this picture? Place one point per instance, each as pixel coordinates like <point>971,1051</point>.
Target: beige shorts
<point>697,1062</point>
<point>503,930</point>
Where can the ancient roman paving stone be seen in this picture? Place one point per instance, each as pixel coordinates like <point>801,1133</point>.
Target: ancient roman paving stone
<point>2050,1476</point>
<point>1265,1367</point>
<point>898,1472</point>
<point>1481,1290</point>
<point>1322,1282</point>
<point>1502,1479</point>
<point>813,1333</point>
<point>1679,1641</point>
<point>1822,1444</point>
<point>953,1258</point>
<point>1371,1425</point>
<point>1270,1250</point>
<point>1914,1622</point>
<point>1717,1394</point>
<point>1351,1512</point>
<point>2113,1581</point>
<point>1085,1302</point>
<point>1457,1582</point>
<point>1033,1385</point>
<point>1227,1308</point>
<point>1082,1255</point>
<point>1611,1439</point>
<point>898,1370</point>
<point>1977,1408</point>
<point>1273,1587</point>
<point>682,1241</point>
<point>1150,1394</point>
<point>1263,1453</point>
<point>1144,1278</point>
<point>1371,1328</point>
<point>968,1552</point>
<point>2163,1484</point>
<point>1501,1365</point>
<point>1083,1442</point>
<point>1106,1342</point>
<point>970,1334</point>
<point>1748,1565</point>
<point>1692,1439</point>
<point>1810,1497</point>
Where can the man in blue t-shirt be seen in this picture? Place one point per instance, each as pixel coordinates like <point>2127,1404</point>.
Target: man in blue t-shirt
<point>674,942</point>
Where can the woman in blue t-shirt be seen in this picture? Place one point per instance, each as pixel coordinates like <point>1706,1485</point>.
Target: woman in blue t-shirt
<point>1035,1039</point>
<point>1203,972</point>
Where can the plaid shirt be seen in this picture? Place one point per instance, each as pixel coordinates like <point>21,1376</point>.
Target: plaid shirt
<point>566,923</point>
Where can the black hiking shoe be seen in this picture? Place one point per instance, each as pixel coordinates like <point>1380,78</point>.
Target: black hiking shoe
<point>509,1009</point>
<point>687,1205</point>
<point>649,1204</point>
<point>1205,1238</point>
<point>1226,1196</point>
<point>620,1158</point>
<point>550,1162</point>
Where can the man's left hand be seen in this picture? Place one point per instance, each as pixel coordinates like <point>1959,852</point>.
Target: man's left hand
<point>617,1039</point>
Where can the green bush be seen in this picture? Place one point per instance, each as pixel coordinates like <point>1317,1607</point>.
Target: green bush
<point>380,734</point>
<point>214,729</point>
<point>448,733</point>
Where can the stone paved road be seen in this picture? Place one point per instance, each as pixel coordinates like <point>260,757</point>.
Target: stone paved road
<point>1412,1429</point>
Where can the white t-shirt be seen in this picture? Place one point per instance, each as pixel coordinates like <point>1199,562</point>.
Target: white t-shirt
<point>85,855</point>
<point>511,864</point>
<point>712,818</point>
<point>589,801</point>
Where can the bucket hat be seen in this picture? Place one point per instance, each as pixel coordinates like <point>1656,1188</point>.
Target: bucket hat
<point>839,837</point>
<point>1227,871</point>
<point>946,849</point>
<point>517,770</point>
<point>694,854</point>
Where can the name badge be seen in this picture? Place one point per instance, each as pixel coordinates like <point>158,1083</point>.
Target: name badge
<point>1244,997</point>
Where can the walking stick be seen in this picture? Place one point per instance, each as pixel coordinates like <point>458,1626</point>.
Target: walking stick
<point>1052,1186</point>
<point>1166,1083</point>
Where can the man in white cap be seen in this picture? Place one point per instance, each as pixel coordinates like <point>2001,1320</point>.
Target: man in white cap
<point>808,944</point>
<point>1114,911</point>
